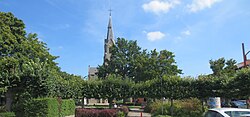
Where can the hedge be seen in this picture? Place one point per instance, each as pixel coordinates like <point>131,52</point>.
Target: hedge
<point>67,107</point>
<point>42,107</point>
<point>7,114</point>
<point>80,112</point>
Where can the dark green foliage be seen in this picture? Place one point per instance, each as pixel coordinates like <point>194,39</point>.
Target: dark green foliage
<point>223,67</point>
<point>129,61</point>
<point>67,108</point>
<point>43,107</point>
<point>27,67</point>
<point>7,114</point>
<point>241,84</point>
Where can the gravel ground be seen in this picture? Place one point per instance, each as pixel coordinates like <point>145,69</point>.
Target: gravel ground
<point>138,114</point>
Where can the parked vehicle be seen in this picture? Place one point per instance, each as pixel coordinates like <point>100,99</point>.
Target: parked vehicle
<point>239,104</point>
<point>227,112</point>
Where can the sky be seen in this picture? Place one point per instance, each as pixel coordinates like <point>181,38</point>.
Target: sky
<point>196,31</point>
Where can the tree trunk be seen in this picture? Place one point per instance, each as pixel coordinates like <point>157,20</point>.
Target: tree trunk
<point>172,107</point>
<point>9,99</point>
<point>227,102</point>
<point>247,102</point>
<point>110,103</point>
<point>202,103</point>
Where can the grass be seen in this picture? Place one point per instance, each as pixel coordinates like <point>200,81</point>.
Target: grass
<point>134,106</point>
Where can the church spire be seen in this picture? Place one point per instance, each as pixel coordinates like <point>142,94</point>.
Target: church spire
<point>109,41</point>
<point>110,35</point>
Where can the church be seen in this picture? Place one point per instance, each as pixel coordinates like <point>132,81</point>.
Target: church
<point>108,42</point>
<point>93,71</point>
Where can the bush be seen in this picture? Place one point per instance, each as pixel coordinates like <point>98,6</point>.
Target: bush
<point>181,108</point>
<point>7,114</point>
<point>121,114</point>
<point>67,107</point>
<point>107,113</point>
<point>124,109</point>
<point>81,112</point>
<point>155,107</point>
<point>42,107</point>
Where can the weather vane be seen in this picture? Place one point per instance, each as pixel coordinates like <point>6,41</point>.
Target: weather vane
<point>110,10</point>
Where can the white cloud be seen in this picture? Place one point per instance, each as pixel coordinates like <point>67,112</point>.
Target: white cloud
<point>60,47</point>
<point>160,6</point>
<point>157,35</point>
<point>198,5</point>
<point>186,33</point>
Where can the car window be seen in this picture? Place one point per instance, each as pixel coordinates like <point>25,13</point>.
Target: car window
<point>236,113</point>
<point>218,115</point>
<point>211,113</point>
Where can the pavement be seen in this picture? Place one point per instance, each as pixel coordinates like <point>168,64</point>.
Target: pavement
<point>138,113</point>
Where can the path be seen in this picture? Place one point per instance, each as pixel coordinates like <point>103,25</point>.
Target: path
<point>137,113</point>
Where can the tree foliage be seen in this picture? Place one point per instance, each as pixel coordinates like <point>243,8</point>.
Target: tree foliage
<point>130,61</point>
<point>27,67</point>
<point>223,67</point>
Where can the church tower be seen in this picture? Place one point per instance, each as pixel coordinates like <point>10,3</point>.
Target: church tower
<point>109,41</point>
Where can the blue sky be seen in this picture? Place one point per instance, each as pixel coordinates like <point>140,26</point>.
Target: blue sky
<point>195,30</point>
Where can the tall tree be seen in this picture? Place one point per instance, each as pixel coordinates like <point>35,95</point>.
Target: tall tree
<point>130,61</point>
<point>241,84</point>
<point>122,61</point>
<point>223,67</point>
<point>24,60</point>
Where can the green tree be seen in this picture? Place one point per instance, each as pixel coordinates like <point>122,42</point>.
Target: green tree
<point>24,60</point>
<point>122,61</point>
<point>241,84</point>
<point>130,61</point>
<point>223,67</point>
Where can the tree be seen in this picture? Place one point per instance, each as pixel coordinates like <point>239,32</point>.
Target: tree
<point>241,84</point>
<point>122,61</point>
<point>129,61</point>
<point>24,60</point>
<point>223,67</point>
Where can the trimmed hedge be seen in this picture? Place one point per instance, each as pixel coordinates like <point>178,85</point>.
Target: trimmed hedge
<point>43,107</point>
<point>67,107</point>
<point>7,114</point>
<point>81,112</point>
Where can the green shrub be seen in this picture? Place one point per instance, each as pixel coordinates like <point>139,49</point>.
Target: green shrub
<point>2,109</point>
<point>42,107</point>
<point>153,107</point>
<point>188,108</point>
<point>121,114</point>
<point>7,114</point>
<point>67,107</point>
<point>124,109</point>
<point>181,108</point>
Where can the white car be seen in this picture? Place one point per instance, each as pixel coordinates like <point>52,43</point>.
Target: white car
<point>228,112</point>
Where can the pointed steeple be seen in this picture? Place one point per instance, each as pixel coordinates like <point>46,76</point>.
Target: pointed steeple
<point>110,35</point>
<point>109,41</point>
